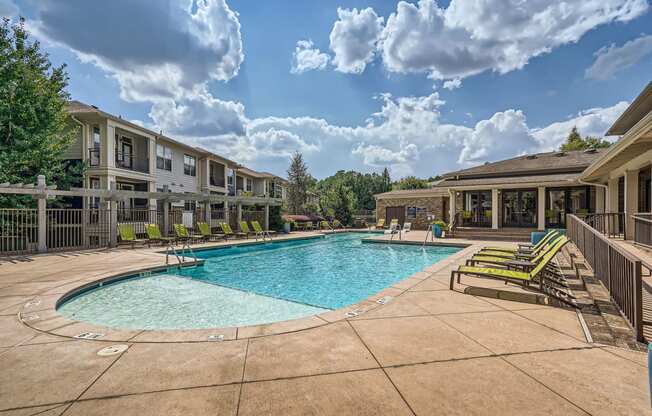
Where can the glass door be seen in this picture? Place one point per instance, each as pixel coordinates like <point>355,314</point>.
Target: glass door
<point>477,209</point>
<point>520,208</point>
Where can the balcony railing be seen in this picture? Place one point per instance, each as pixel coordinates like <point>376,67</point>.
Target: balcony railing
<point>609,224</point>
<point>133,162</point>
<point>643,229</point>
<point>618,270</point>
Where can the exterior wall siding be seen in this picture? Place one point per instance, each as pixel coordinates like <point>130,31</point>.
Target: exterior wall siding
<point>434,206</point>
<point>75,151</point>
<point>176,180</point>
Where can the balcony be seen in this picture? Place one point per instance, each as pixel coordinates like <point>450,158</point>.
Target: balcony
<point>129,161</point>
<point>217,181</point>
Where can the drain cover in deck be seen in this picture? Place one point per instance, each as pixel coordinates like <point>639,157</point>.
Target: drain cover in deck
<point>112,350</point>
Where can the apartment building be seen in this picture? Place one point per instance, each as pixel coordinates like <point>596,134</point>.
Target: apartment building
<point>127,156</point>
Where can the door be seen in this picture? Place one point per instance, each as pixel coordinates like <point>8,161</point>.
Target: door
<point>520,208</point>
<point>127,154</point>
<point>477,209</point>
<point>125,206</point>
<point>395,213</point>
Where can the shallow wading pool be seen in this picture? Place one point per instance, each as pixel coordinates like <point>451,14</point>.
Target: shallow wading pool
<point>255,284</point>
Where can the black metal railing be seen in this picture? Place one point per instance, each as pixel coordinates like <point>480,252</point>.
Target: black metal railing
<point>643,228</point>
<point>618,270</point>
<point>131,162</point>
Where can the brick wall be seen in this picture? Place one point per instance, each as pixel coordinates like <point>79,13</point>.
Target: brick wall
<point>433,206</point>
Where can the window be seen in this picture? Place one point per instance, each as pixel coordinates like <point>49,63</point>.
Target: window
<point>163,157</point>
<point>414,212</point>
<point>249,185</point>
<point>96,137</point>
<point>189,205</point>
<point>189,165</point>
<point>230,175</point>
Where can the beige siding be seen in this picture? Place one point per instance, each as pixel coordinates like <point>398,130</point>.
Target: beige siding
<point>176,180</point>
<point>75,149</point>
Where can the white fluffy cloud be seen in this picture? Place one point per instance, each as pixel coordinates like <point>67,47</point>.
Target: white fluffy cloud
<point>306,57</point>
<point>469,36</point>
<point>353,39</point>
<point>163,50</point>
<point>452,84</point>
<point>611,59</point>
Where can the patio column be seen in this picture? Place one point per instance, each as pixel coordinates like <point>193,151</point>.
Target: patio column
<point>207,212</point>
<point>451,205</point>
<point>239,214</point>
<point>42,219</point>
<point>151,187</point>
<point>631,200</point>
<point>612,195</point>
<point>600,199</point>
<point>541,208</point>
<point>226,211</point>
<point>266,225</point>
<point>113,217</point>
<point>494,209</point>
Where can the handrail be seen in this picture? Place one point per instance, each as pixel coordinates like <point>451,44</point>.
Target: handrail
<point>637,217</point>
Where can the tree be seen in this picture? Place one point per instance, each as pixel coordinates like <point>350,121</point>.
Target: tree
<point>411,182</point>
<point>338,203</point>
<point>34,132</point>
<point>575,141</point>
<point>299,181</point>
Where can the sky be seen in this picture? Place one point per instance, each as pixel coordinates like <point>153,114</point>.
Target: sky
<point>420,87</point>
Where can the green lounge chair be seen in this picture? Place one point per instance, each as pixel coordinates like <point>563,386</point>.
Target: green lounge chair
<point>154,235</point>
<point>379,224</point>
<point>182,234</point>
<point>337,224</point>
<point>128,235</point>
<point>514,263</point>
<point>324,225</point>
<point>520,254</point>
<point>205,231</point>
<point>228,231</point>
<point>259,230</point>
<point>524,247</point>
<point>537,274</point>
<point>244,228</point>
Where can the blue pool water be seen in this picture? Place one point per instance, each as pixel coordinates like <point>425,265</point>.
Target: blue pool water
<point>256,284</point>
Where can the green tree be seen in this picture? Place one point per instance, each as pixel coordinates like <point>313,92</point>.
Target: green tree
<point>575,141</point>
<point>337,202</point>
<point>299,182</point>
<point>411,182</point>
<point>34,133</point>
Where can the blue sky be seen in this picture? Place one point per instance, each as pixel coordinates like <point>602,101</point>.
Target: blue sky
<point>418,87</point>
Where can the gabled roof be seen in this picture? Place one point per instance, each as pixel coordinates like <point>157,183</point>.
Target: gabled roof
<point>638,109</point>
<point>535,164</point>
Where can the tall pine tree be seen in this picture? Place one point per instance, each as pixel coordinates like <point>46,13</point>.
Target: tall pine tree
<point>299,180</point>
<point>34,133</point>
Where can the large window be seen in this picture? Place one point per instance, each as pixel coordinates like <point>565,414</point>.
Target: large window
<point>477,209</point>
<point>563,201</point>
<point>249,185</point>
<point>189,165</point>
<point>163,157</point>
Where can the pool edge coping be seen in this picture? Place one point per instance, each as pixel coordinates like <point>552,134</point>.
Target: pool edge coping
<point>225,334</point>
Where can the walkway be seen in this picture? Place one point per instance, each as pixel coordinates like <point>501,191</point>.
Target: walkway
<point>427,351</point>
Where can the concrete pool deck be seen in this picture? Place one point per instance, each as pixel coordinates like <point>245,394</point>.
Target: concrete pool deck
<point>426,351</point>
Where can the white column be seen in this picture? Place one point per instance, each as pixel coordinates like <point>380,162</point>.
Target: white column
<point>266,225</point>
<point>494,209</point>
<point>151,155</point>
<point>451,206</point>
<point>151,187</point>
<point>239,214</point>
<point>631,200</point>
<point>612,195</point>
<point>108,146</point>
<point>42,220</point>
<point>113,218</point>
<point>600,199</point>
<point>226,211</point>
<point>541,208</point>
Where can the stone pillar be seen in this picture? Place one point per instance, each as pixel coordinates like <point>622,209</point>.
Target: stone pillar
<point>42,217</point>
<point>541,208</point>
<point>494,209</point>
<point>631,201</point>
<point>266,225</point>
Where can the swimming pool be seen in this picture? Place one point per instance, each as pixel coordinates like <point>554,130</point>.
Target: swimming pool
<point>254,284</point>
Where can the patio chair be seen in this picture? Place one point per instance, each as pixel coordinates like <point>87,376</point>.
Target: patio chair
<point>525,246</point>
<point>228,231</point>
<point>128,235</point>
<point>259,230</point>
<point>244,228</point>
<point>336,224</point>
<point>514,263</point>
<point>324,225</point>
<point>182,234</point>
<point>525,254</point>
<point>154,235</point>
<point>539,274</point>
<point>205,231</point>
<point>393,228</point>
<point>379,224</point>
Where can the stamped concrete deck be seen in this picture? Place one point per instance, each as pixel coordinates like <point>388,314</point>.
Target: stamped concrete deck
<point>426,351</point>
